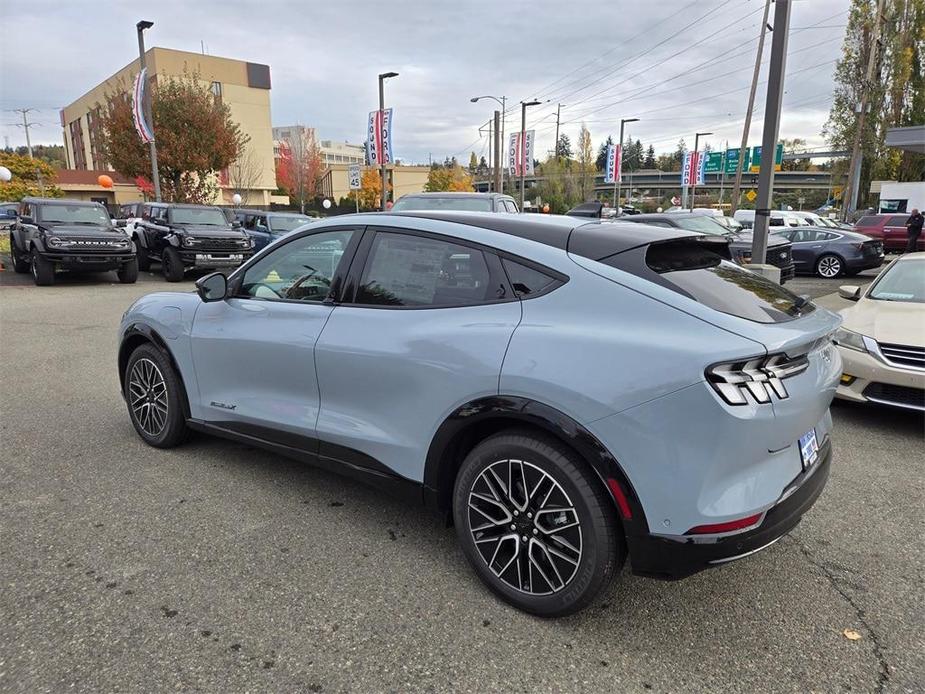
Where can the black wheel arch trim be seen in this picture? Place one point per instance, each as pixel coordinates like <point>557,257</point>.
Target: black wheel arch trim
<point>133,336</point>
<point>442,462</point>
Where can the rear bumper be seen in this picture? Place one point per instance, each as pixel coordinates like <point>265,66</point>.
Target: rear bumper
<point>864,262</point>
<point>675,558</point>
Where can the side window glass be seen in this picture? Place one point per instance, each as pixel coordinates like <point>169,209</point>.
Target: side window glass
<point>146,212</point>
<point>511,207</point>
<point>248,221</point>
<point>406,270</point>
<point>301,270</point>
<point>897,220</point>
<point>260,223</point>
<point>525,280</point>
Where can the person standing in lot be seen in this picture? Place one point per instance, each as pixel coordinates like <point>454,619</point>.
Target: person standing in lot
<point>914,230</point>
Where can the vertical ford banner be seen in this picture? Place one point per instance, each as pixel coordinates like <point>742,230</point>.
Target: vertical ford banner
<point>520,154</point>
<point>692,172</point>
<point>138,107</point>
<point>614,161</point>
<point>379,138</point>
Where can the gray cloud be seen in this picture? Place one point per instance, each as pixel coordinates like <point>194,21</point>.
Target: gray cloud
<point>601,59</point>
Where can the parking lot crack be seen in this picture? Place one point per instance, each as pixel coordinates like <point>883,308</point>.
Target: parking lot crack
<point>838,583</point>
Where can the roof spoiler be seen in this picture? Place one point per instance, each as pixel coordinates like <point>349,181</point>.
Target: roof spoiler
<point>587,209</point>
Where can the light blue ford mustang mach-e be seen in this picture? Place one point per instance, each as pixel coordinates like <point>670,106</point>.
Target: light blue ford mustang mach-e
<point>569,392</point>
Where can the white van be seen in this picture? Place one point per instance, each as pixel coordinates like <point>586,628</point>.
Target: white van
<point>779,218</point>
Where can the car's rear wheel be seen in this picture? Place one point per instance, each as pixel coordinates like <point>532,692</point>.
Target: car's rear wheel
<point>43,271</point>
<point>535,524</point>
<point>154,395</point>
<point>172,265</point>
<point>829,266</point>
<point>128,273</point>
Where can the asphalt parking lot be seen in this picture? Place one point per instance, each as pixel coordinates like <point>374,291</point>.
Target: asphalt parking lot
<point>217,567</point>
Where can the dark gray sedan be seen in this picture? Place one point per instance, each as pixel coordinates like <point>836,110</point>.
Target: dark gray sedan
<point>829,253</point>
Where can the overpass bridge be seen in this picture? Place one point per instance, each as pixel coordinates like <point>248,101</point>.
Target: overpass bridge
<point>666,183</point>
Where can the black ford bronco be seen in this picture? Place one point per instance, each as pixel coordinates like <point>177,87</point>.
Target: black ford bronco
<point>182,237</point>
<point>75,235</point>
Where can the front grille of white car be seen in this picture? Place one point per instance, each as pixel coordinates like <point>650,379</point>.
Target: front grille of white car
<point>903,355</point>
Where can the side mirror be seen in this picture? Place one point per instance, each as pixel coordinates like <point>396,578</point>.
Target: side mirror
<point>850,292</point>
<point>236,224</point>
<point>212,287</point>
<point>121,223</point>
<point>25,219</point>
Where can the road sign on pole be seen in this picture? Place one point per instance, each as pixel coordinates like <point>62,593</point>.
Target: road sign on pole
<point>353,173</point>
<point>756,158</point>
<point>714,162</point>
<point>732,159</point>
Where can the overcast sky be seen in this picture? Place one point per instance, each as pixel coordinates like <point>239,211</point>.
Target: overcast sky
<point>679,66</point>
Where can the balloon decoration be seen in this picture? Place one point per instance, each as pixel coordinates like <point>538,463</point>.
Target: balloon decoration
<point>5,174</point>
<point>326,204</point>
<point>104,181</point>
<point>236,199</point>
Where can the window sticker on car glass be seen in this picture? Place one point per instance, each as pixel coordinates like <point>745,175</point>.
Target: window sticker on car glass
<point>407,269</point>
<point>895,296</point>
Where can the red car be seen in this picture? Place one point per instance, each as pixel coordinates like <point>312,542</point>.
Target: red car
<point>889,228</point>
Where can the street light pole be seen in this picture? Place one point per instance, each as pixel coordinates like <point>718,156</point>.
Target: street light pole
<point>503,101</point>
<point>155,176</point>
<point>523,143</point>
<point>383,173</point>
<point>618,183</point>
<point>694,177</point>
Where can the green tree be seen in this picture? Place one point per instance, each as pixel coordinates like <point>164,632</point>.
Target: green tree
<point>896,95</point>
<point>452,178</point>
<point>564,147</point>
<point>196,138</point>
<point>601,161</point>
<point>679,153</point>
<point>25,181</point>
<point>649,161</point>
<point>473,163</point>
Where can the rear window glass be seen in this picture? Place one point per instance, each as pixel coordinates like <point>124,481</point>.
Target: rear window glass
<point>696,270</point>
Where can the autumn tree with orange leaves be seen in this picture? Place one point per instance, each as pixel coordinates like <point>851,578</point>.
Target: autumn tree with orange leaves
<point>196,138</point>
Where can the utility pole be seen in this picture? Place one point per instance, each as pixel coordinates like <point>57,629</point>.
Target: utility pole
<point>853,186</point>
<point>498,152</point>
<point>25,126</point>
<point>555,150</point>
<point>618,183</point>
<point>743,150</point>
<point>772,110</point>
<point>155,176</point>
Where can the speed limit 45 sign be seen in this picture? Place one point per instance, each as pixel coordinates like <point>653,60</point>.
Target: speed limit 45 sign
<point>353,173</point>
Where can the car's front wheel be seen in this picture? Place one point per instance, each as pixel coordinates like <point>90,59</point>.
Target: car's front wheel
<point>128,273</point>
<point>141,253</point>
<point>829,266</point>
<point>535,524</point>
<point>43,271</point>
<point>154,395</point>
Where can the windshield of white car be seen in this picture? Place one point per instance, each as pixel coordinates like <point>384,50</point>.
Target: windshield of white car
<point>206,216</point>
<point>279,224</point>
<point>904,281</point>
<point>74,214</point>
<point>448,203</point>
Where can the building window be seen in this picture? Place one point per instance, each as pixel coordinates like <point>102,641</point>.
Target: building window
<point>77,144</point>
<point>95,129</point>
<point>216,90</point>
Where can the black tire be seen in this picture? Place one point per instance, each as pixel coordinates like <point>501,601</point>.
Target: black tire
<point>159,421</point>
<point>43,271</point>
<point>172,265</point>
<point>19,264</point>
<point>829,266</point>
<point>128,273</point>
<point>141,253</point>
<point>597,536</point>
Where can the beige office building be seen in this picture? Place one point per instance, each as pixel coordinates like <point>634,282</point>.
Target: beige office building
<point>243,86</point>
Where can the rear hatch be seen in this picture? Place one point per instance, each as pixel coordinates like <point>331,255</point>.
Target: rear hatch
<point>693,274</point>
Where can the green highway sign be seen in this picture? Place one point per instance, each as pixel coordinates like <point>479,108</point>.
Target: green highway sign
<point>756,158</point>
<point>713,163</point>
<point>732,159</point>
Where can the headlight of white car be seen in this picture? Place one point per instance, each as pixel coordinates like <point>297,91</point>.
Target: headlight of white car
<point>850,339</point>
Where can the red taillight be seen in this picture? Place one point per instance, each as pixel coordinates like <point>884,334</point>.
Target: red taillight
<point>726,527</point>
<point>620,498</point>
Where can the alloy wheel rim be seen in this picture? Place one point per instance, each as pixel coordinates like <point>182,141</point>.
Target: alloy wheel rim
<point>525,527</point>
<point>148,396</point>
<point>829,267</point>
